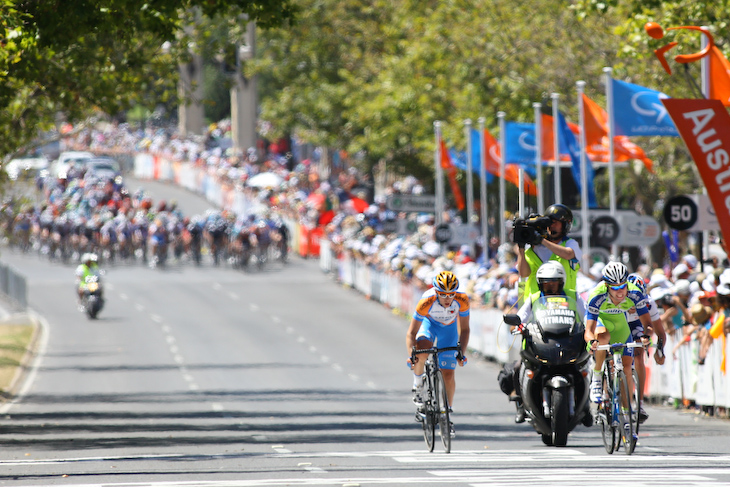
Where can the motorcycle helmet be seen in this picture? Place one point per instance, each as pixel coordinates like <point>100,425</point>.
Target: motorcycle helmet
<point>561,213</point>
<point>446,282</point>
<point>615,273</point>
<point>550,271</point>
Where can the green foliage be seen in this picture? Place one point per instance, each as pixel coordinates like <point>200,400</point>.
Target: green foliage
<point>372,77</point>
<point>78,56</point>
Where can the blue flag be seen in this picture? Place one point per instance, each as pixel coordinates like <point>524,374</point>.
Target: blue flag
<point>461,159</point>
<point>521,146</point>
<point>569,145</point>
<point>639,111</point>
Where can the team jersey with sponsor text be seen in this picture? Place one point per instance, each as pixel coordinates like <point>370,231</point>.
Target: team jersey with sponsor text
<point>600,303</point>
<point>429,307</point>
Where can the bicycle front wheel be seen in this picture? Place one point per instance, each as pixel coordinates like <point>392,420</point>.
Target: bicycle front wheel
<point>429,414</point>
<point>636,405</point>
<point>605,416</point>
<point>442,411</point>
<point>627,423</point>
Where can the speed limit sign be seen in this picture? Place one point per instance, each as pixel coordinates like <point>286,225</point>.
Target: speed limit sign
<point>680,213</point>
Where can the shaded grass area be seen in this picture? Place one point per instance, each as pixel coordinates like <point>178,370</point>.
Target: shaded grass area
<point>16,336</point>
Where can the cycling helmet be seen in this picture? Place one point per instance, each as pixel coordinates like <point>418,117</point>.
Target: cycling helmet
<point>638,281</point>
<point>615,273</point>
<point>551,270</point>
<point>561,213</point>
<point>446,282</point>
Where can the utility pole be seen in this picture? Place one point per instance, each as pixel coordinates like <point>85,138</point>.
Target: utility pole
<point>244,102</point>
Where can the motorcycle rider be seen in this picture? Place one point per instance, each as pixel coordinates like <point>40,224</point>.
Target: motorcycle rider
<point>87,268</point>
<point>550,278</point>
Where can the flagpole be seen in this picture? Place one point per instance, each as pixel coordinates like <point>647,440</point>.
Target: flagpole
<point>469,177</point>
<point>502,163</point>
<point>538,155</point>
<point>705,80</point>
<point>439,175</point>
<point>608,72</point>
<point>483,191</point>
<point>556,151</point>
<point>585,235</point>
<point>521,182</point>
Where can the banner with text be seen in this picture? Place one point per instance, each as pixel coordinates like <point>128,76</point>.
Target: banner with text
<point>705,127</point>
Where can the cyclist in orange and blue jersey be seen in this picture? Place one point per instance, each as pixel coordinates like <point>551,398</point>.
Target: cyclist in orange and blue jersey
<point>441,318</point>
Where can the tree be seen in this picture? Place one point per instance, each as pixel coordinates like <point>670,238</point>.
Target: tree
<point>78,56</point>
<point>372,77</point>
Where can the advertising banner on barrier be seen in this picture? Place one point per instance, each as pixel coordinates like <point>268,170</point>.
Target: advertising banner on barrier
<point>705,127</point>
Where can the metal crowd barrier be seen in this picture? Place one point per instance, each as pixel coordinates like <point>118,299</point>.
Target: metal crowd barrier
<point>13,286</point>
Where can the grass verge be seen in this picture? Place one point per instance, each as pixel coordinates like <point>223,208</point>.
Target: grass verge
<point>17,334</point>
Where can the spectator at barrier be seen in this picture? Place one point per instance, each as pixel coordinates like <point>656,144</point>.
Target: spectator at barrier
<point>694,328</point>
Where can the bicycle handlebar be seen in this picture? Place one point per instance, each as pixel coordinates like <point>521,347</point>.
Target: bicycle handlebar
<point>620,345</point>
<point>457,348</point>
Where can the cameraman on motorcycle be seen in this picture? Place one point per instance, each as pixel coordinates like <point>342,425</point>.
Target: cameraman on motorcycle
<point>550,278</point>
<point>553,244</point>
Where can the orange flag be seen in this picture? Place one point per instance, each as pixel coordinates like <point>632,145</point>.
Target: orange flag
<point>596,122</point>
<point>447,165</point>
<point>719,76</point>
<point>511,171</point>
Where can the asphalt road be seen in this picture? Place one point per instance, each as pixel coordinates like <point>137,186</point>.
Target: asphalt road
<point>219,378</point>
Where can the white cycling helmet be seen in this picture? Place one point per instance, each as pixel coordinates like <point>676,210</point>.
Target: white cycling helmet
<point>615,273</point>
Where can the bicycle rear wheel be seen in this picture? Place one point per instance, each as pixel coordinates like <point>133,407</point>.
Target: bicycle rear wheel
<point>627,423</point>
<point>442,411</point>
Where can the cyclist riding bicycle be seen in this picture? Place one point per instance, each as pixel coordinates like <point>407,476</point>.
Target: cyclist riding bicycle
<point>606,321</point>
<point>435,322</point>
<point>638,330</point>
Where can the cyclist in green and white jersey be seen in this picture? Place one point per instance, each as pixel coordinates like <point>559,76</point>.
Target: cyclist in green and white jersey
<point>606,321</point>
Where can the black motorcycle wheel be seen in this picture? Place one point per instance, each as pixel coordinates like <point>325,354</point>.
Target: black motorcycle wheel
<point>442,411</point>
<point>560,417</point>
<point>547,439</point>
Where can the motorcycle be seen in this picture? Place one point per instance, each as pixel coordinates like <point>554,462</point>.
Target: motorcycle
<point>93,300</point>
<point>555,368</point>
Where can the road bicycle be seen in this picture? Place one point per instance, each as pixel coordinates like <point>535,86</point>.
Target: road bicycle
<point>435,409</point>
<point>618,411</point>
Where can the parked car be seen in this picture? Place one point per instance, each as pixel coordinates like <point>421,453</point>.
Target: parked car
<point>25,167</point>
<point>103,168</point>
<point>67,159</point>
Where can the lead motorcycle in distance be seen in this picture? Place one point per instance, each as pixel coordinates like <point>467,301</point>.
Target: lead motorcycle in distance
<point>93,298</point>
<point>554,369</point>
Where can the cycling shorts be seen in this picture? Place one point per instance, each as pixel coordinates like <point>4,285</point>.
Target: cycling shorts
<point>618,329</point>
<point>441,336</point>
<point>637,329</point>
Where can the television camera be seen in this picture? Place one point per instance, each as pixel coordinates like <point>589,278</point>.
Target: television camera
<point>530,230</point>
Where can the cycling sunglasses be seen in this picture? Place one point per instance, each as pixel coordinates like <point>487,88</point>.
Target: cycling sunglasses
<point>619,287</point>
<point>446,295</point>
